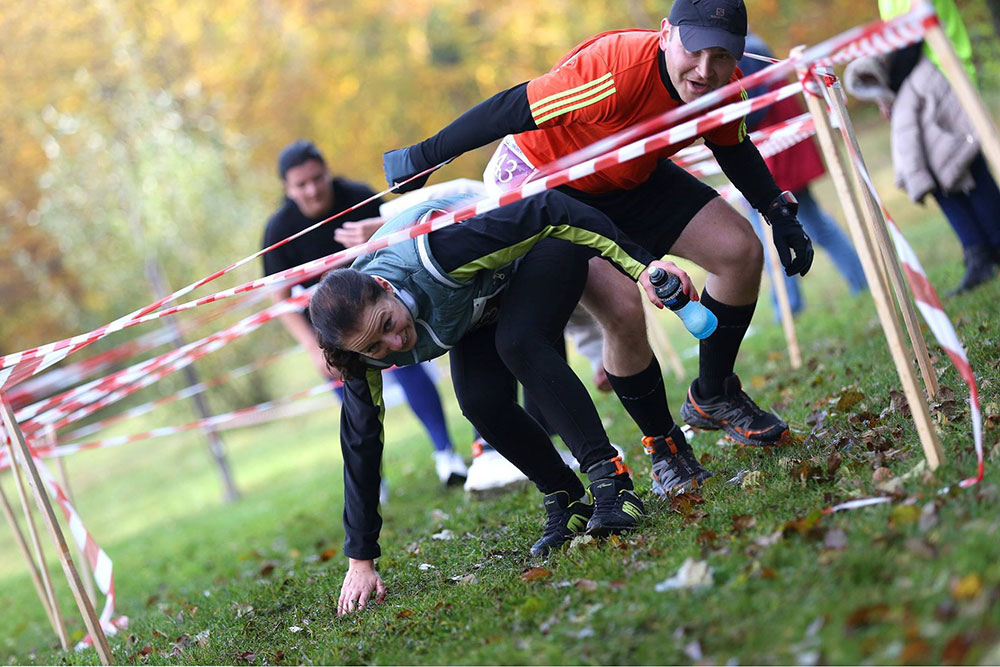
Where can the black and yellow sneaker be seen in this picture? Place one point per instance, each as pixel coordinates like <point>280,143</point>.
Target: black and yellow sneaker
<point>735,413</point>
<point>675,467</point>
<point>617,508</point>
<point>566,518</point>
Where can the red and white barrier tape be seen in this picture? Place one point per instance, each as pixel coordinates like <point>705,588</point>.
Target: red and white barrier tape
<point>99,562</point>
<point>125,382</point>
<point>185,393</point>
<point>217,422</point>
<point>929,305</point>
<point>18,366</point>
<point>769,142</point>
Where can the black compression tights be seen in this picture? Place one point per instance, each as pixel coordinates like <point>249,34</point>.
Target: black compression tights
<point>523,346</point>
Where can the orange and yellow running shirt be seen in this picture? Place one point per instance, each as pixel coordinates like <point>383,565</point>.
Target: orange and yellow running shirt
<point>608,83</point>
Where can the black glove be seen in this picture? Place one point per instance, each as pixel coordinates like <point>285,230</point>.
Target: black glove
<point>402,164</point>
<point>789,235</point>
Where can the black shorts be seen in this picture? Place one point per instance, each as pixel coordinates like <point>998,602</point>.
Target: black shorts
<point>655,213</point>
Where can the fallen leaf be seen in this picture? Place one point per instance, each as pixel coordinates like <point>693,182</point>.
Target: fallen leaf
<point>248,657</point>
<point>707,538</point>
<point>867,615</point>
<point>767,573</point>
<point>267,569</point>
<point>743,522</point>
<point>849,397</point>
<point>445,534</point>
<point>535,573</point>
<point>881,474</point>
<point>903,515</point>
<point>327,554</point>
<point>898,403</point>
<point>807,526</point>
<point>586,585</point>
<point>146,650</point>
<point>968,587</point>
<point>753,479</point>
<point>916,652</point>
<point>465,580</point>
<point>692,574</point>
<point>955,650</point>
<point>581,541</point>
<point>833,462</point>
<point>406,613</point>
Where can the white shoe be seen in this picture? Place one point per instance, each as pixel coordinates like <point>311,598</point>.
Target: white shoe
<point>451,468</point>
<point>490,473</point>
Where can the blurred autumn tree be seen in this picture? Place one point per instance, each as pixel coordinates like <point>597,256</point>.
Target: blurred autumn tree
<point>130,128</point>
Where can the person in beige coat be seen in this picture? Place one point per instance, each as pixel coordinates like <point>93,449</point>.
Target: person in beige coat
<point>934,151</point>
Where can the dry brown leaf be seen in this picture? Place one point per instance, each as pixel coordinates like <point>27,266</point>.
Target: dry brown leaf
<point>867,615</point>
<point>535,573</point>
<point>968,587</point>
<point>327,554</point>
<point>849,397</point>
<point>743,522</point>
<point>955,650</point>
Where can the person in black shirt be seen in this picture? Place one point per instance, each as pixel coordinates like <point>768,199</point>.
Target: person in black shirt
<point>311,195</point>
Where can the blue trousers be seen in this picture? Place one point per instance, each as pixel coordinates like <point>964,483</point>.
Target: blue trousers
<point>974,215</point>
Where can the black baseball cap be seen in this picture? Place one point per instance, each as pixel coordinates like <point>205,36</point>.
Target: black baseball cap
<point>707,24</point>
<point>296,153</point>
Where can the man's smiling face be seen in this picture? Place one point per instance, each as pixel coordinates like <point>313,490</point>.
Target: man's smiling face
<point>694,74</point>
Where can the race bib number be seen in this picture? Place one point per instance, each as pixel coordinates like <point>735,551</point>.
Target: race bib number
<point>508,169</point>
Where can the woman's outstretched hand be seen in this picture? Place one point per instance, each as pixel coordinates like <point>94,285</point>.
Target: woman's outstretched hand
<point>360,582</point>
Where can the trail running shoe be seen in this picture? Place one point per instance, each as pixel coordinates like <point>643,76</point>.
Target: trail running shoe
<point>450,467</point>
<point>617,508</point>
<point>735,413</point>
<point>566,518</point>
<point>675,467</point>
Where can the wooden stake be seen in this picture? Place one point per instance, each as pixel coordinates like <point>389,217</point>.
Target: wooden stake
<point>879,290</point>
<point>50,601</point>
<point>90,619</point>
<point>22,545</point>
<point>879,227</point>
<point>660,341</point>
<point>970,100</point>
<point>85,572</point>
<point>781,291</point>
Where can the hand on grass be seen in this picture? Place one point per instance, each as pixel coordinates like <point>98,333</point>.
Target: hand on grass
<point>361,581</point>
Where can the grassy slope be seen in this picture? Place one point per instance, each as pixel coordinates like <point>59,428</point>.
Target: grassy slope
<point>880,584</point>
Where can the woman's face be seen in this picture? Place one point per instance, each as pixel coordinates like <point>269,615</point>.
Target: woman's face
<point>384,327</point>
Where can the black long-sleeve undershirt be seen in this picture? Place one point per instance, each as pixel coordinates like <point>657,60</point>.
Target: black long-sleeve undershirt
<point>743,165</point>
<point>507,112</point>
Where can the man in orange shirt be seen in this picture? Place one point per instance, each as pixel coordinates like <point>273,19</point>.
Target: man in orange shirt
<point>610,82</point>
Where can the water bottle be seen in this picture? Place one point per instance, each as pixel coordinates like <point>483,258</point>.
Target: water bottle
<point>698,319</point>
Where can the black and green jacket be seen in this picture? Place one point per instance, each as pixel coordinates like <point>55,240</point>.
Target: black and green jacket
<point>445,279</point>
